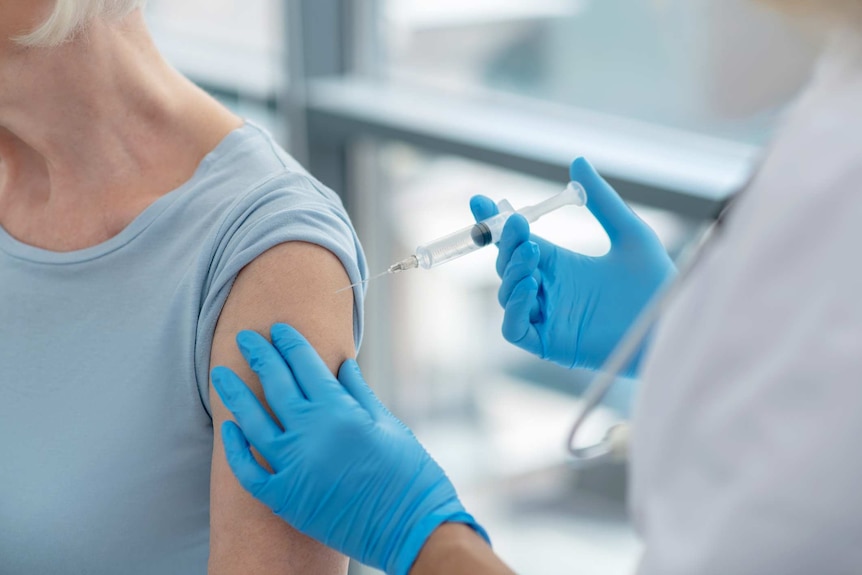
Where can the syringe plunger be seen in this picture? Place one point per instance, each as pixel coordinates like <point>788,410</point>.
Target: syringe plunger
<point>574,194</point>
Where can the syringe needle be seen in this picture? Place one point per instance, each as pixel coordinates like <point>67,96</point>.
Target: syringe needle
<point>351,286</point>
<point>410,263</point>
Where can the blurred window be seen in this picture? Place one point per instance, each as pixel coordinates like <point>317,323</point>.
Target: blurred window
<point>721,67</point>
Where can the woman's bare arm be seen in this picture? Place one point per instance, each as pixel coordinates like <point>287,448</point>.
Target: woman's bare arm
<point>293,283</point>
<point>455,549</point>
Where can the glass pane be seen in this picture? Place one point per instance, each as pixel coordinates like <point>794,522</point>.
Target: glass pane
<point>494,416</point>
<point>722,67</point>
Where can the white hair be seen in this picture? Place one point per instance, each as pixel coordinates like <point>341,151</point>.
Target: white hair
<point>70,16</point>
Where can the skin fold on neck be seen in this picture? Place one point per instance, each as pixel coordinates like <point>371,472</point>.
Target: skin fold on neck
<point>94,131</point>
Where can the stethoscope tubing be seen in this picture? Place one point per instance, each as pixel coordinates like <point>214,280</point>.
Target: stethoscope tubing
<point>614,445</point>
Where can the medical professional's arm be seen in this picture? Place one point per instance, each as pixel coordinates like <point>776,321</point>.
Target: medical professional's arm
<point>292,282</point>
<point>574,309</point>
<point>458,550</point>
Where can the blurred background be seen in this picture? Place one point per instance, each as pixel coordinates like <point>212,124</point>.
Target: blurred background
<point>407,108</point>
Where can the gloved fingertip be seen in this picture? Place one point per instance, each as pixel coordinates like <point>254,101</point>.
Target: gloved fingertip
<point>521,254</point>
<point>517,229</point>
<point>515,232</point>
<point>529,285</point>
<point>524,260</point>
<point>524,292</point>
<point>284,332</point>
<point>351,378</point>
<point>349,368</point>
<point>280,327</point>
<point>233,440</point>
<point>580,169</point>
<point>223,382</point>
<point>518,220</point>
<point>217,374</point>
<point>231,432</point>
<point>250,474</point>
<point>480,201</point>
<point>482,207</point>
<point>247,340</point>
<point>517,321</point>
<point>287,340</point>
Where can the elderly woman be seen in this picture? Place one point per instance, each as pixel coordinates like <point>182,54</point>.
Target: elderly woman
<point>141,224</point>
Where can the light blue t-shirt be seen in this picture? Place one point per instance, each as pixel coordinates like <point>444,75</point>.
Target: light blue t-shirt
<point>105,434</point>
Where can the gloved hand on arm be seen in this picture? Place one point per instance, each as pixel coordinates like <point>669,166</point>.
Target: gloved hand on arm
<point>570,308</point>
<point>345,471</point>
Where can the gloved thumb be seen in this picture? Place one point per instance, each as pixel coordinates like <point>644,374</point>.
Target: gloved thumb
<point>615,216</point>
<point>351,378</point>
<point>483,208</point>
<point>250,474</point>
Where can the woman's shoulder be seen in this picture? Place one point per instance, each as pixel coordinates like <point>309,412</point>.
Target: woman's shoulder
<point>255,146</point>
<point>249,178</point>
<point>250,161</point>
<point>247,196</point>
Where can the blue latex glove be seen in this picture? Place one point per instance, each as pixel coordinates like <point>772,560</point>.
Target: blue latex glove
<point>569,308</point>
<point>345,471</point>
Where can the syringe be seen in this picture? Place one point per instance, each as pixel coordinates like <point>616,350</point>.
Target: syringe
<point>486,232</point>
<point>482,234</point>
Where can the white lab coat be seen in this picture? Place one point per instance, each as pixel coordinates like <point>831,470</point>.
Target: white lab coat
<point>747,442</point>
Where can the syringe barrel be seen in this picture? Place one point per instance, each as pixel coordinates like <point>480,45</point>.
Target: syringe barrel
<point>462,242</point>
<point>489,231</point>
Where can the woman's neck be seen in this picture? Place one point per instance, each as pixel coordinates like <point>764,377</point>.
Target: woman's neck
<point>95,130</point>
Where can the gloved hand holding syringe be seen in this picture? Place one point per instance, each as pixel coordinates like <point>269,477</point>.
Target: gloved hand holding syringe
<point>482,234</point>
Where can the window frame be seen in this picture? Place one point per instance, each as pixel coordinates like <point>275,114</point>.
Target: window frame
<point>338,98</point>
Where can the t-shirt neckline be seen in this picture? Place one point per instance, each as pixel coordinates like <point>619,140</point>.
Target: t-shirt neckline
<point>20,250</point>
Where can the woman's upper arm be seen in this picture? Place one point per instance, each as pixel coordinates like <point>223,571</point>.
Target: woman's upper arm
<point>294,283</point>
